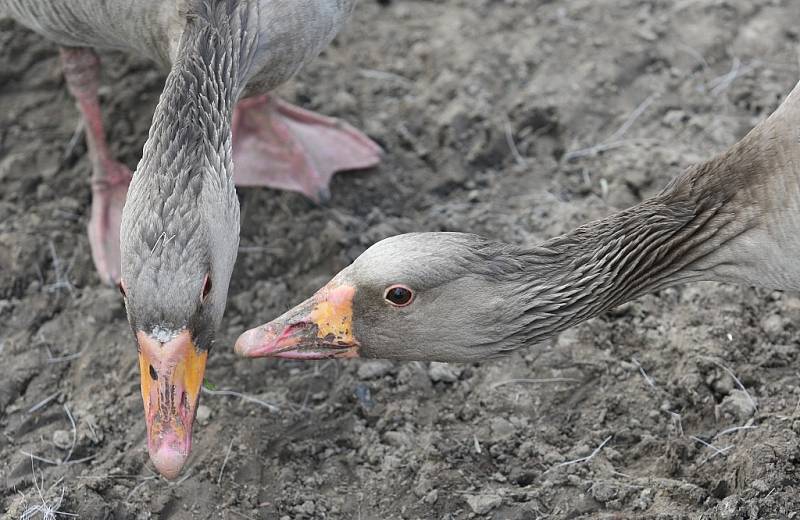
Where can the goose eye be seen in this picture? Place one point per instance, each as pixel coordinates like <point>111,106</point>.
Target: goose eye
<point>206,288</point>
<point>399,295</point>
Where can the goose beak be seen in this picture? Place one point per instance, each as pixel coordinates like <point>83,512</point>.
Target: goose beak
<point>171,374</point>
<point>319,328</point>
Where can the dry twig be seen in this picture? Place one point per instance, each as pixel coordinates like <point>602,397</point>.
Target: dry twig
<point>271,407</point>
<point>583,459</point>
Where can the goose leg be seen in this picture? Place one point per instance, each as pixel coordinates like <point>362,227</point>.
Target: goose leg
<point>282,146</point>
<point>110,178</point>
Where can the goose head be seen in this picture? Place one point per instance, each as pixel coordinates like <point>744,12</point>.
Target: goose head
<point>178,253</point>
<point>419,296</point>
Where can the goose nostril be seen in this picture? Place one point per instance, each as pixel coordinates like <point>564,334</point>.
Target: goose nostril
<point>153,373</point>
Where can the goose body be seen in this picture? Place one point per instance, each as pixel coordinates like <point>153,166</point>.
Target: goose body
<point>173,246</point>
<point>460,297</point>
<point>289,33</point>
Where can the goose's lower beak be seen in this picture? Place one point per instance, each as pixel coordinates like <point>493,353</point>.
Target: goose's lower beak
<point>171,374</point>
<point>319,328</point>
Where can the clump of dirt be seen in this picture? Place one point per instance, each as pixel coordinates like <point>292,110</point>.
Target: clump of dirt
<point>518,120</point>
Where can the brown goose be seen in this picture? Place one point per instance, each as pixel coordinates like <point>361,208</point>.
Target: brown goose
<point>179,230</point>
<point>460,297</point>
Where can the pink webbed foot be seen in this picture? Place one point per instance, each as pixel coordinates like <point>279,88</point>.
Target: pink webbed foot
<point>108,199</point>
<point>282,146</point>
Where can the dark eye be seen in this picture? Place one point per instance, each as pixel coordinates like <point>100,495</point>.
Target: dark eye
<point>399,295</point>
<point>121,287</point>
<point>206,288</point>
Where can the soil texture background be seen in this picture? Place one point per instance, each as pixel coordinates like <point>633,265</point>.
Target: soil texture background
<point>516,119</point>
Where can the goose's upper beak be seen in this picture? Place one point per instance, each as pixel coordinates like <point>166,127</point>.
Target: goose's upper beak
<point>319,328</point>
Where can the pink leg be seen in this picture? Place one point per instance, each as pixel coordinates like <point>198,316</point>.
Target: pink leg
<point>110,178</point>
<point>282,146</point>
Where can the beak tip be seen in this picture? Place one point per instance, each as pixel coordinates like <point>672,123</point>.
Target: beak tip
<point>246,343</point>
<point>168,461</point>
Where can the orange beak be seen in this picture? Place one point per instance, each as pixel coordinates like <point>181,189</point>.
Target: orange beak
<point>171,374</point>
<point>319,328</point>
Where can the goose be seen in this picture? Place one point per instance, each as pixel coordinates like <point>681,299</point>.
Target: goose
<point>172,246</point>
<point>456,297</point>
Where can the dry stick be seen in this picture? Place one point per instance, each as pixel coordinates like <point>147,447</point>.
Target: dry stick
<point>676,417</point>
<point>723,82</point>
<point>735,379</point>
<point>536,381</point>
<point>61,359</point>
<point>58,359</point>
<point>717,451</point>
<point>644,374</point>
<point>40,459</point>
<point>74,435</point>
<point>723,451</point>
<point>181,481</point>
<point>61,272</point>
<point>614,141</point>
<point>65,460</point>
<point>43,402</point>
<point>161,237</point>
<point>271,407</point>
<point>224,462</point>
<point>57,462</point>
<point>477,444</point>
<point>383,75</point>
<point>48,511</point>
<point>510,142</point>
<point>735,429</point>
<point>583,459</point>
<point>73,141</point>
<point>638,111</point>
<point>707,444</point>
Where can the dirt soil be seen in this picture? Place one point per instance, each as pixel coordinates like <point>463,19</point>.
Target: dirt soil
<point>517,119</point>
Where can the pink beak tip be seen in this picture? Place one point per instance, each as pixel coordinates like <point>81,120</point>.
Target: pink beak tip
<point>169,456</point>
<point>248,342</point>
<point>168,461</point>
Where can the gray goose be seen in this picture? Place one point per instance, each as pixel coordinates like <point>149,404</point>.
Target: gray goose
<point>460,297</point>
<point>173,246</point>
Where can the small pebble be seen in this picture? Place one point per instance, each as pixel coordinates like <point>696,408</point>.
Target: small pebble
<point>738,404</point>
<point>431,497</point>
<point>444,372</point>
<point>501,428</point>
<point>203,414</point>
<point>374,369</point>
<point>772,325</point>
<point>482,504</point>
<point>62,439</point>
<point>397,439</point>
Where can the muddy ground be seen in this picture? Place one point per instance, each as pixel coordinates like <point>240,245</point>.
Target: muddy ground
<point>517,119</point>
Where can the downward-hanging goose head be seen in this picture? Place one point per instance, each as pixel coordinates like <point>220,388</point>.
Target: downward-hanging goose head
<point>419,296</point>
<point>180,230</point>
